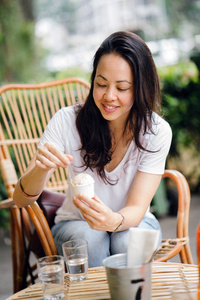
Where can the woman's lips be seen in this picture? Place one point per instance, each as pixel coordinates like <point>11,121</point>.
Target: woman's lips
<point>109,108</point>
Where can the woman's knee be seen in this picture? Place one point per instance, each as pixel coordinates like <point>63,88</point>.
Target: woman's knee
<point>119,242</point>
<point>98,248</point>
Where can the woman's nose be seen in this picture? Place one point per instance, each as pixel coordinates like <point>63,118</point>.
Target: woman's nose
<point>110,94</point>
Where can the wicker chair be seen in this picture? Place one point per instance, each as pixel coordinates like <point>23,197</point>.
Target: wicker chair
<point>24,113</point>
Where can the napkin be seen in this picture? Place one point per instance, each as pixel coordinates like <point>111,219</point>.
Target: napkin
<point>142,244</point>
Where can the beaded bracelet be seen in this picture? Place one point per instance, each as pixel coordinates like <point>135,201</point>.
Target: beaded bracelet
<point>24,193</point>
<point>119,227</point>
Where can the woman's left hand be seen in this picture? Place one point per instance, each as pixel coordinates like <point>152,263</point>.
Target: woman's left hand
<point>96,213</point>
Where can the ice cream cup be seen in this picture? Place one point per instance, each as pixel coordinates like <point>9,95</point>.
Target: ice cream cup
<point>87,190</point>
<point>86,187</point>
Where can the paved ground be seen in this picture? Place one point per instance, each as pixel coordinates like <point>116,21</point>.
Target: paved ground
<point>168,225</point>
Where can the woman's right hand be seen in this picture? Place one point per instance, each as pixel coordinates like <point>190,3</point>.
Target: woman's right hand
<point>46,159</point>
<point>49,157</point>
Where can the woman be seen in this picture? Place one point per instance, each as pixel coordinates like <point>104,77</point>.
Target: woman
<point>117,137</point>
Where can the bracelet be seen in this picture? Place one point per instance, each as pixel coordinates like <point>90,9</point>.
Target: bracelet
<point>119,227</point>
<point>24,193</point>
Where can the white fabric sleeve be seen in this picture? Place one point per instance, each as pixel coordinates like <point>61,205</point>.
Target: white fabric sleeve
<point>159,143</point>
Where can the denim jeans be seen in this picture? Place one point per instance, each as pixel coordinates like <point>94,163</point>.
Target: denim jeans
<point>101,244</point>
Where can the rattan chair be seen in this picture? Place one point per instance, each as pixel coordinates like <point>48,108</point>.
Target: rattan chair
<point>24,113</point>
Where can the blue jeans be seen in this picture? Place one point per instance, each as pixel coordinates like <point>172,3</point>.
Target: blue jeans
<point>101,244</point>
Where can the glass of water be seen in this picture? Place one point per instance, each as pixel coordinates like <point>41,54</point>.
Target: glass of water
<point>76,257</point>
<point>51,275</point>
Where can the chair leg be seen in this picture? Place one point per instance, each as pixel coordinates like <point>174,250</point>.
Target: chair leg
<point>17,249</point>
<point>26,232</point>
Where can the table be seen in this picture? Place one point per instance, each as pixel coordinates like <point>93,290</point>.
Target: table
<point>164,275</point>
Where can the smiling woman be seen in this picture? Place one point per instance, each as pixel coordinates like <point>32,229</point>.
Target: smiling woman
<point>118,137</point>
<point>113,89</point>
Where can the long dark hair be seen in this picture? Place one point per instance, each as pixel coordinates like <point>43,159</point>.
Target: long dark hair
<point>93,128</point>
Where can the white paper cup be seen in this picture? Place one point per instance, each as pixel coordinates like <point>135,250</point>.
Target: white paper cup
<point>87,190</point>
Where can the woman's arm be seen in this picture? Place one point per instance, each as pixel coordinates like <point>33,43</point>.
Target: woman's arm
<point>101,217</point>
<point>40,169</point>
<point>140,196</point>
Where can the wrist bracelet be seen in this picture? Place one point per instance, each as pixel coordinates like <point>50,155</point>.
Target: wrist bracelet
<point>119,227</point>
<point>24,193</point>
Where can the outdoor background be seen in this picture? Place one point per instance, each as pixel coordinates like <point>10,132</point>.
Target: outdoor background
<point>43,40</point>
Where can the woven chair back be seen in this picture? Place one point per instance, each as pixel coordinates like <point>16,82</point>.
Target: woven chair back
<point>25,111</point>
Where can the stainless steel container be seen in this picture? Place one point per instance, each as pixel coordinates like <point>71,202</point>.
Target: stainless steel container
<point>127,283</point>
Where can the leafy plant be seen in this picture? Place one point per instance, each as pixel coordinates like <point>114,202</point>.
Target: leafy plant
<point>180,102</point>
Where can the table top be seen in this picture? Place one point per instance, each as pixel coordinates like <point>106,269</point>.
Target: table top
<point>164,276</point>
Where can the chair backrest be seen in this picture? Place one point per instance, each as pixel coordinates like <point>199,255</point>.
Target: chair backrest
<point>25,110</point>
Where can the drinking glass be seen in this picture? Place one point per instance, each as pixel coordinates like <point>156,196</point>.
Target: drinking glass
<point>51,275</point>
<point>76,257</point>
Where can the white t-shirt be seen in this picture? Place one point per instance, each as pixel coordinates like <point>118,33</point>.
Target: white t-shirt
<point>62,132</point>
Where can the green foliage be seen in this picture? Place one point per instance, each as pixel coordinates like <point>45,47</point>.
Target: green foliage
<point>180,102</point>
<point>4,219</point>
<point>4,213</point>
<point>180,107</point>
<point>183,17</point>
<point>17,54</point>
<point>17,60</point>
<point>178,75</point>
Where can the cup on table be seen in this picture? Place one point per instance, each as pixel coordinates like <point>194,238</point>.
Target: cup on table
<point>76,258</point>
<point>51,275</point>
<point>127,282</point>
<point>187,291</point>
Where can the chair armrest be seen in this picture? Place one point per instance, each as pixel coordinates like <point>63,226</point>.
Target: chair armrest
<point>8,203</point>
<point>42,228</point>
<point>169,248</point>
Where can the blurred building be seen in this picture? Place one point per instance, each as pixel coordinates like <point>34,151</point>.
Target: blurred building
<point>74,37</point>
<point>106,16</point>
<point>94,20</point>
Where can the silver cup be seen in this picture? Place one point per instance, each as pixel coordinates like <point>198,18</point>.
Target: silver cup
<point>127,283</point>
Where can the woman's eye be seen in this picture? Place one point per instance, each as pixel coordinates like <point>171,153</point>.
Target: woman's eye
<point>122,90</point>
<point>101,85</point>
